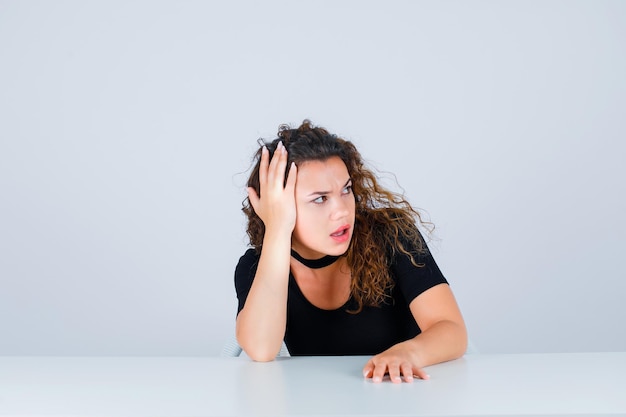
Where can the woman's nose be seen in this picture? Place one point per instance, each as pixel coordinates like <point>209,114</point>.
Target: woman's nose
<point>340,208</point>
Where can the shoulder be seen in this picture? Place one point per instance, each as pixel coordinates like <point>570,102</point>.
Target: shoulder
<point>413,266</point>
<point>247,262</point>
<point>250,256</point>
<point>244,273</point>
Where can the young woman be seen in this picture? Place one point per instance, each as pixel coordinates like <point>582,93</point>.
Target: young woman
<point>338,266</point>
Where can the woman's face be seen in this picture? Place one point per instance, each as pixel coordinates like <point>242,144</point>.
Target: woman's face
<point>325,209</point>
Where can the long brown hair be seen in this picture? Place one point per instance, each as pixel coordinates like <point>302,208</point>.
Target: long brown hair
<point>384,221</point>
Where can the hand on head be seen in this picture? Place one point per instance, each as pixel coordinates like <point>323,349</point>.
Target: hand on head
<point>276,204</point>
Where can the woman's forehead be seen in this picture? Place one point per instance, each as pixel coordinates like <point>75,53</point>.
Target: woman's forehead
<point>328,172</point>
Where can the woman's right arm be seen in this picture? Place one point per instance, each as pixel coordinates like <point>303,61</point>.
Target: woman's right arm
<point>261,323</point>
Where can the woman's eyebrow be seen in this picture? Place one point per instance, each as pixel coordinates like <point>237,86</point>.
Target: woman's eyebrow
<point>328,192</point>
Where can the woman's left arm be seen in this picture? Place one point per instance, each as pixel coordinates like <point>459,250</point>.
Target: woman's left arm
<point>443,338</point>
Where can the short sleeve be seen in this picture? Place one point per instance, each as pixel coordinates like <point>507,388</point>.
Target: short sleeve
<point>244,275</point>
<point>413,280</point>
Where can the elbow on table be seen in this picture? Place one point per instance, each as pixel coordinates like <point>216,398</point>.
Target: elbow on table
<point>262,358</point>
<point>458,339</point>
<point>258,352</point>
<point>463,343</point>
<point>455,340</point>
<point>257,345</point>
<point>261,354</point>
<point>462,349</point>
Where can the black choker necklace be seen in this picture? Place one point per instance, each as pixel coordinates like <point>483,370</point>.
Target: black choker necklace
<point>315,263</point>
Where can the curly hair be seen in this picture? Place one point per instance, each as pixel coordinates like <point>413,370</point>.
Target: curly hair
<point>384,223</point>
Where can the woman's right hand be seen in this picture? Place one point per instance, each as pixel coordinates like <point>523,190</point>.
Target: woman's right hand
<point>276,206</point>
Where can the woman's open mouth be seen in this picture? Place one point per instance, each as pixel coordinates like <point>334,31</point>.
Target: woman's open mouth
<point>341,234</point>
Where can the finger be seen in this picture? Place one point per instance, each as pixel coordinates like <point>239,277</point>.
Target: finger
<point>277,165</point>
<point>367,369</point>
<point>291,177</point>
<point>274,160</point>
<point>420,373</point>
<point>379,372</point>
<point>394,373</point>
<point>264,165</point>
<point>407,370</point>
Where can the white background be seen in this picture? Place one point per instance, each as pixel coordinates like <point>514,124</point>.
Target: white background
<point>126,129</point>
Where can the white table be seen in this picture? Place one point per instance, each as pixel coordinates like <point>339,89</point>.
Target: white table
<point>515,384</point>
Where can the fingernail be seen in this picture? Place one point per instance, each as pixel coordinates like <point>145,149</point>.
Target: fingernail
<point>377,379</point>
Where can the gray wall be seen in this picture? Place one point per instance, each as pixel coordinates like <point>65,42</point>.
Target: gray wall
<point>125,128</point>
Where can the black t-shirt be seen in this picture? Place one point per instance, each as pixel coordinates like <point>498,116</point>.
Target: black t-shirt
<point>314,331</point>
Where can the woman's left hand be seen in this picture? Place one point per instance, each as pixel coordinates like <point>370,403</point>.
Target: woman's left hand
<point>399,361</point>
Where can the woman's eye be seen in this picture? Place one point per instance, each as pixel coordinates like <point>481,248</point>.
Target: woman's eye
<point>347,190</point>
<point>320,199</point>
